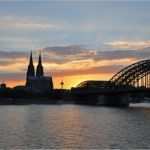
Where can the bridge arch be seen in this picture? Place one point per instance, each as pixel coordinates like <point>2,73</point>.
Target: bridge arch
<point>136,75</point>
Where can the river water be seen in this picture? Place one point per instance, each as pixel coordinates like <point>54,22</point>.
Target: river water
<point>74,126</point>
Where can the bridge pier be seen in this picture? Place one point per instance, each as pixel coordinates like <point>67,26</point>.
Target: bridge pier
<point>114,100</point>
<point>108,97</point>
<point>118,100</point>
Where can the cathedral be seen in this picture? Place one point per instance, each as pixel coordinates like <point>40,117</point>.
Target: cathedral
<point>35,80</point>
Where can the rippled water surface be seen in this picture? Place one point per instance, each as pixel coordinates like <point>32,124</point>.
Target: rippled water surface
<point>74,126</point>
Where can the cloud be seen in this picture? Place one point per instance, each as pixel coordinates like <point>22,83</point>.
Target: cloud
<point>87,71</point>
<point>27,23</point>
<point>123,54</point>
<point>65,54</point>
<point>12,55</point>
<point>135,45</point>
<point>74,54</point>
<point>42,23</point>
<point>62,54</point>
<point>12,76</point>
<point>69,60</point>
<point>65,50</point>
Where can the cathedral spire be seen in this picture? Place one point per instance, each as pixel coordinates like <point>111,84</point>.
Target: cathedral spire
<point>39,69</point>
<point>31,60</point>
<point>40,59</point>
<point>30,70</point>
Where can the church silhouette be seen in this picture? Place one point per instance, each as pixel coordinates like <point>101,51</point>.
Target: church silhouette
<point>36,81</point>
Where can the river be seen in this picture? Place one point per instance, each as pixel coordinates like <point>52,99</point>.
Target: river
<point>74,127</point>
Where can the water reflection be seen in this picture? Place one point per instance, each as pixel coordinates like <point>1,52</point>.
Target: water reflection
<point>73,126</point>
<point>12,126</point>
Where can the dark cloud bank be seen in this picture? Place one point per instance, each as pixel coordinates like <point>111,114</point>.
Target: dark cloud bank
<point>66,54</point>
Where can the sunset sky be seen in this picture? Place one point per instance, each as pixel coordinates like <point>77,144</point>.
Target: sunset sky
<point>80,40</point>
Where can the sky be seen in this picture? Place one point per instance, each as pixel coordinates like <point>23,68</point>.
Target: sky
<point>79,40</point>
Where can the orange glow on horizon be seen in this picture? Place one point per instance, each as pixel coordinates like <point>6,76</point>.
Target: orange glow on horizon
<point>69,81</point>
<point>72,81</point>
<point>13,83</point>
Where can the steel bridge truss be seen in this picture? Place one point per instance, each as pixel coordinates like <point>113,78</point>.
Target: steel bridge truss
<point>136,75</point>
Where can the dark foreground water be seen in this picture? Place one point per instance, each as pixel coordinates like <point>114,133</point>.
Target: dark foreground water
<point>73,126</point>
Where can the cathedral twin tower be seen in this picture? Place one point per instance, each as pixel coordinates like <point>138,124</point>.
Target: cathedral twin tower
<point>39,70</point>
<point>37,81</point>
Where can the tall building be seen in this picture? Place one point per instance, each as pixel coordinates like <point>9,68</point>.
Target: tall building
<point>39,70</point>
<point>30,72</point>
<point>37,82</point>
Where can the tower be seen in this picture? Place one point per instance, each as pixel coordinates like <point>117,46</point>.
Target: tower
<point>38,82</point>
<point>30,70</point>
<point>62,84</point>
<point>39,69</point>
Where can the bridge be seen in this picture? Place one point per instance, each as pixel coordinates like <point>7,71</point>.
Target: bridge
<point>131,84</point>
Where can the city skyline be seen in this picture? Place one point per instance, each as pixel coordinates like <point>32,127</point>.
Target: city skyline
<point>78,40</point>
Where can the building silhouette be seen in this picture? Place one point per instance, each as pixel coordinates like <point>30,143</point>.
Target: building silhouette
<point>35,79</point>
